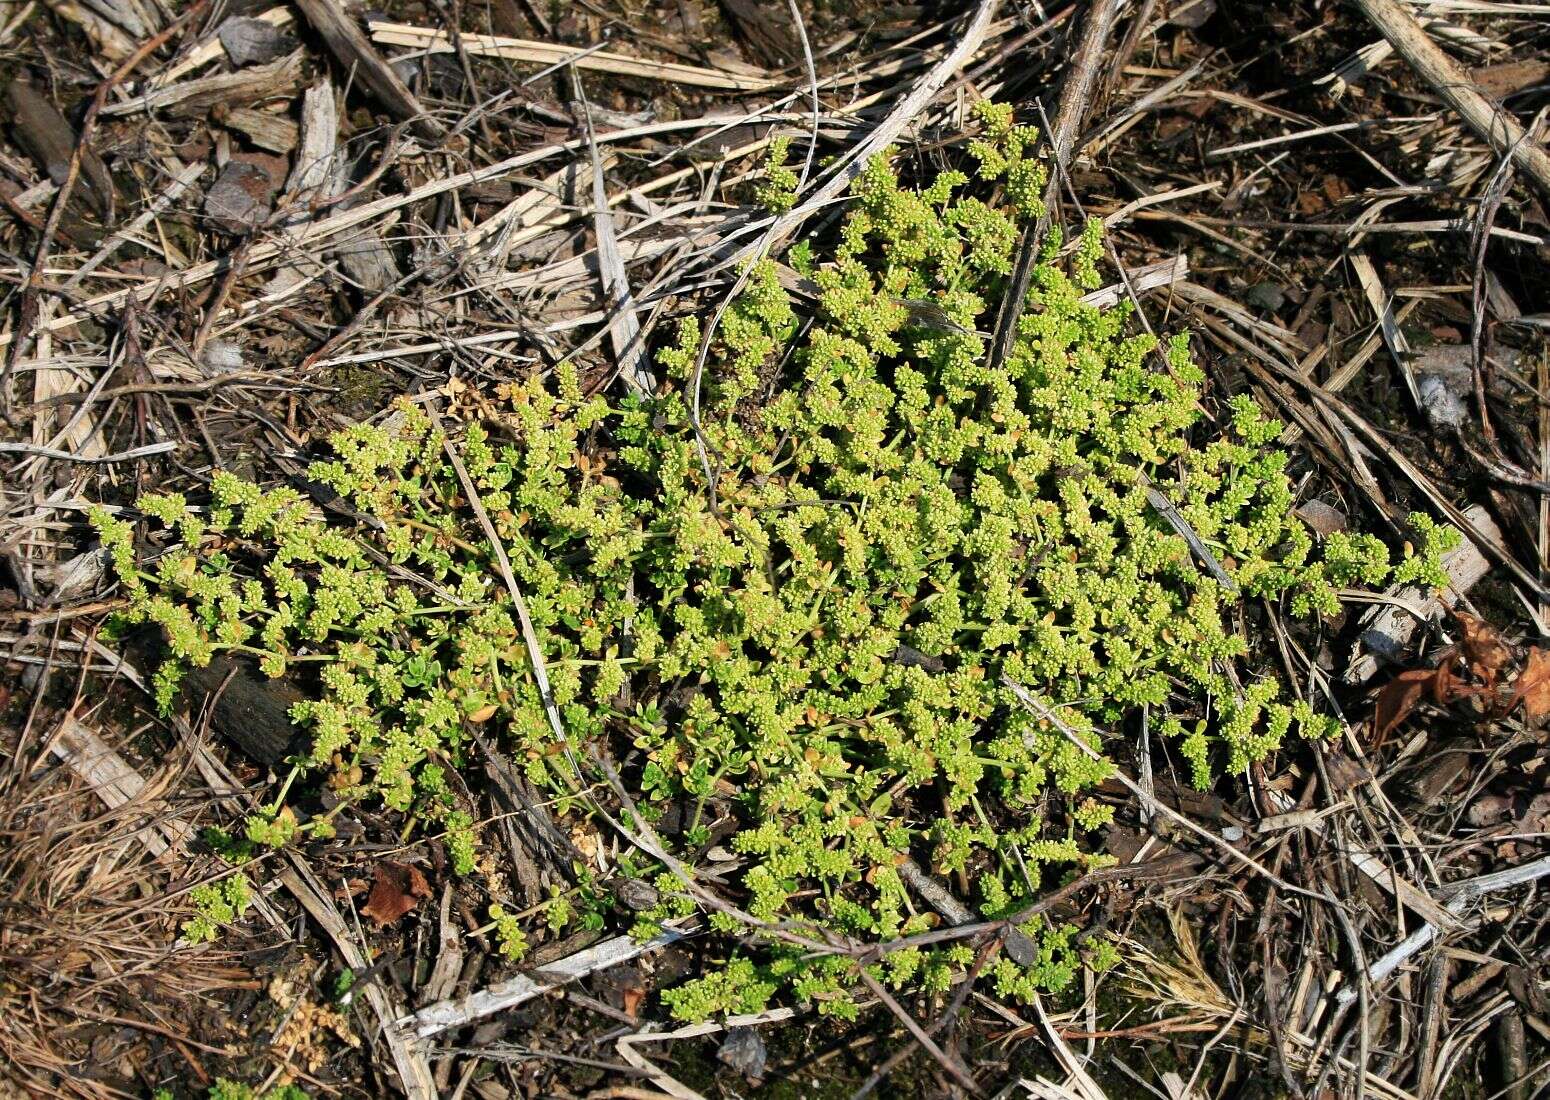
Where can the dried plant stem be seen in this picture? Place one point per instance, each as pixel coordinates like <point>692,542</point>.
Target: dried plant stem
<point>1449,80</point>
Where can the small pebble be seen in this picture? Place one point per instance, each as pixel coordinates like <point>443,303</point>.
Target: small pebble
<point>743,1050</point>
<point>250,41</point>
<point>1266,296</point>
<point>636,895</point>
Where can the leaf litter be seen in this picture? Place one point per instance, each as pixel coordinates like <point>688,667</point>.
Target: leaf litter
<point>1369,162</point>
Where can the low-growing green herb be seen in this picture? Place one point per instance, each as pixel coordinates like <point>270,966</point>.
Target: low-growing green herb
<point>217,905</point>
<point>508,932</point>
<point>227,1089</point>
<point>803,654</point>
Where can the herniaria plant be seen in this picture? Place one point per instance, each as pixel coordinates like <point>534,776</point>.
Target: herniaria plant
<point>792,620</point>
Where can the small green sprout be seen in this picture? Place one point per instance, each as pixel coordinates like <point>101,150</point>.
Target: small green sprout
<point>217,905</point>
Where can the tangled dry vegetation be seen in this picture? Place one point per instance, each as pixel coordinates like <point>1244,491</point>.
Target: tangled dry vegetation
<point>366,309</point>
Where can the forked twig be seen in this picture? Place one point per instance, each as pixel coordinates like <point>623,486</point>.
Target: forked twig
<point>949,1063</point>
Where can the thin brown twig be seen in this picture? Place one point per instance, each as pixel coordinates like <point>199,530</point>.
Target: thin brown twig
<point>880,1074</point>
<point>949,1063</point>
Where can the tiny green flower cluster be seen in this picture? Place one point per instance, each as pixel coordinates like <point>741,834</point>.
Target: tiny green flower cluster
<point>227,1089</point>
<point>777,192</point>
<point>805,658</point>
<point>508,932</point>
<point>216,905</point>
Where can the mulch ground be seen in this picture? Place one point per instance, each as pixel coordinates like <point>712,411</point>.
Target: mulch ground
<point>231,228</point>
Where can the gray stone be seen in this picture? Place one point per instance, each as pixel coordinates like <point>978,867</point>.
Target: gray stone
<point>743,1050</point>
<point>1267,296</point>
<point>253,41</point>
<point>240,198</point>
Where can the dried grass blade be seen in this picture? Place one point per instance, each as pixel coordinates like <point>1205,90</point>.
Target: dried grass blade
<point>623,325</point>
<point>546,53</point>
<point>444,1015</point>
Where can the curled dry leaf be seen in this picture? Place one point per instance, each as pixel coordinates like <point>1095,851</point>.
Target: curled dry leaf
<point>1533,685</point>
<point>1483,648</point>
<point>397,889</point>
<point>1403,694</point>
<point>1482,654</point>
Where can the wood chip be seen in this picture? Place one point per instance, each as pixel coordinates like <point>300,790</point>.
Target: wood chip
<point>264,129</point>
<point>50,141</point>
<point>245,88</point>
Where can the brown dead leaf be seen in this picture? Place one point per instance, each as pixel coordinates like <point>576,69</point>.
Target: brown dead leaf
<point>1533,685</point>
<point>1404,693</point>
<point>1483,648</point>
<point>1311,203</point>
<point>397,889</point>
<point>632,996</point>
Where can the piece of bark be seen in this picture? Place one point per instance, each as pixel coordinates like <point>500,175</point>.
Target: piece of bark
<point>506,995</point>
<point>354,51</point>
<point>249,41</point>
<point>316,173</point>
<point>193,98</point>
<point>275,133</point>
<point>251,710</point>
<point>49,139</point>
<point>449,960</point>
